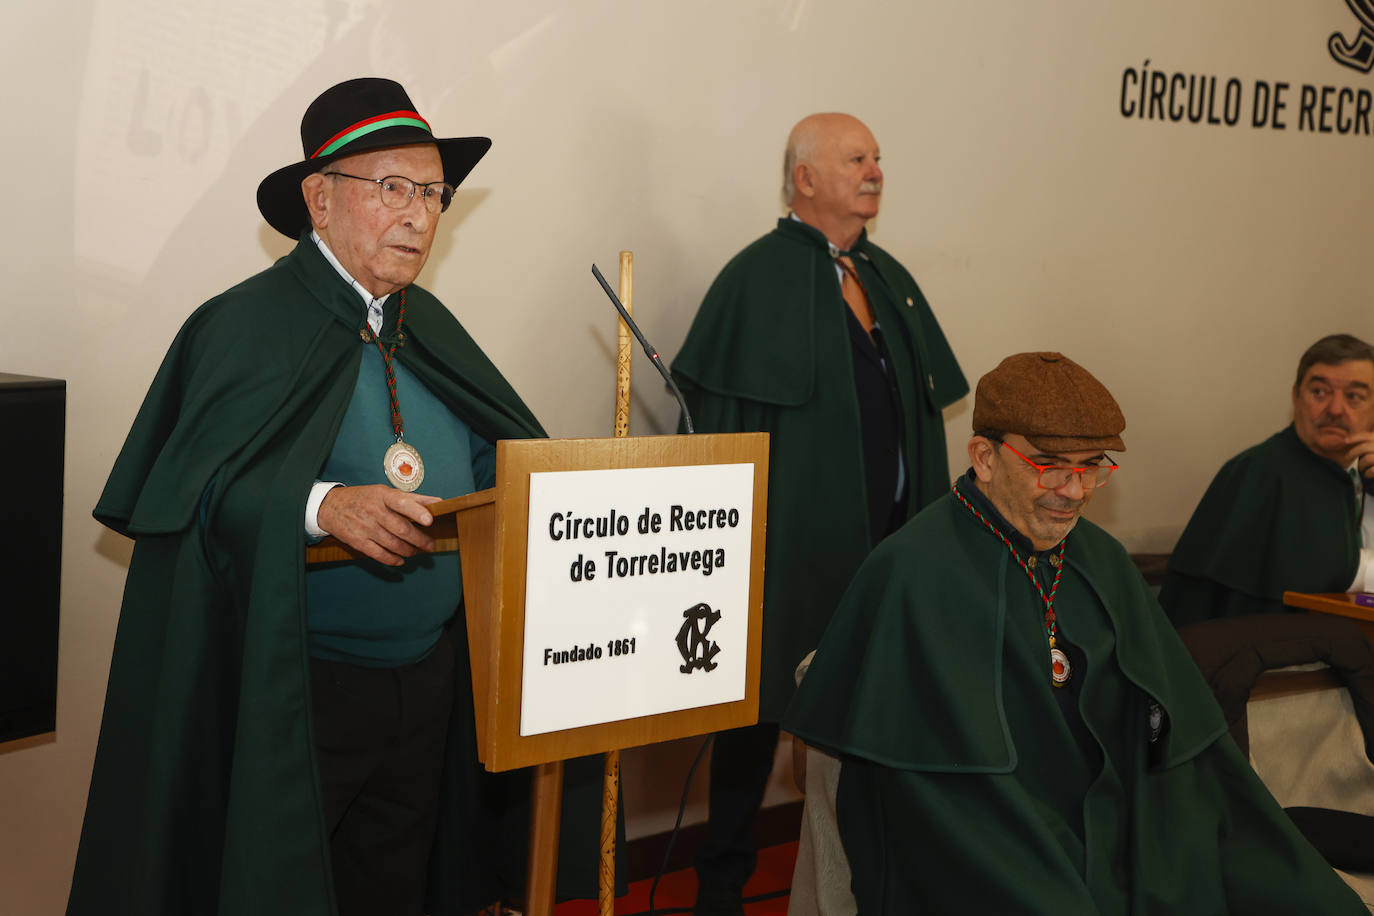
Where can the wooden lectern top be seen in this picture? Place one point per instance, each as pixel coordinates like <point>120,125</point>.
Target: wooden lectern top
<point>444,530</point>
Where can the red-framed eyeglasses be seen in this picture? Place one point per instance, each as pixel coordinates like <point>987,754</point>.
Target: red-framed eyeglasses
<point>1054,476</point>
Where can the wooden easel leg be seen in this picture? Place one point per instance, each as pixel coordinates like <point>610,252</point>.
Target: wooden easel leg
<point>610,802</point>
<point>546,808</point>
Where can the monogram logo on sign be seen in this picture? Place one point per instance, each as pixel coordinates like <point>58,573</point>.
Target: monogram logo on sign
<point>697,650</point>
<point>1357,54</point>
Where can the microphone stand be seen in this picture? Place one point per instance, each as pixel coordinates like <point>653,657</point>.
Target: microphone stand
<point>648,349</point>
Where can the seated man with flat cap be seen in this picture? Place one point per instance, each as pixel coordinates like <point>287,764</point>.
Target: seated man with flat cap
<point>278,740</point>
<point>1292,513</point>
<point>1019,727</point>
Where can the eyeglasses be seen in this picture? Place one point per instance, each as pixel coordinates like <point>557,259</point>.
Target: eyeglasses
<point>1054,476</point>
<point>398,191</point>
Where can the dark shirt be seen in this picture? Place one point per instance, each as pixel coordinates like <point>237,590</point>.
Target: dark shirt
<point>880,422</point>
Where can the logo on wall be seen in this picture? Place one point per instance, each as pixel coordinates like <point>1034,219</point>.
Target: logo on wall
<point>1357,54</point>
<point>696,649</point>
<point>1151,92</point>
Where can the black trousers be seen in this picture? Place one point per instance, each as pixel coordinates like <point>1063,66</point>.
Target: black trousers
<point>741,761</point>
<point>379,737</point>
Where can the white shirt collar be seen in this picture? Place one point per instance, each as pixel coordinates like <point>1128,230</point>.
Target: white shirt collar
<point>374,304</point>
<point>834,252</point>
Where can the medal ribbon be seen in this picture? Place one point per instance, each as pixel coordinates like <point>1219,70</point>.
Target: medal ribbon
<point>397,423</point>
<point>1057,561</point>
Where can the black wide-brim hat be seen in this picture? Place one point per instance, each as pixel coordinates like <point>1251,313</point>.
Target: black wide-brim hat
<point>354,117</point>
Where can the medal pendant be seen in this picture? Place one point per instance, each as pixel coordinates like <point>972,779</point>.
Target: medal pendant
<point>403,467</point>
<point>1059,667</point>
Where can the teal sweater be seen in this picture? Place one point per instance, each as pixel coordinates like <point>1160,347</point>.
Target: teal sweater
<point>365,613</point>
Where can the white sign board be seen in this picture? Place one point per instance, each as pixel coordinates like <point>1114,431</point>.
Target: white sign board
<point>636,593</point>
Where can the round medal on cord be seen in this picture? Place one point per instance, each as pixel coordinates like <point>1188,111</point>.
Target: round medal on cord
<point>401,463</point>
<point>1059,667</point>
<point>403,466</point>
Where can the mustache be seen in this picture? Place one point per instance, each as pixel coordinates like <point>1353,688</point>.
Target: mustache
<point>1327,422</point>
<point>1060,504</point>
<point>871,187</point>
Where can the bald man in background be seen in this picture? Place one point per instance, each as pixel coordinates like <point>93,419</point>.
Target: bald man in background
<point>820,338</point>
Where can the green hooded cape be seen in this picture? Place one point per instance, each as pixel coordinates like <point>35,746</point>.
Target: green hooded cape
<point>963,788</point>
<point>769,351</point>
<point>204,796</point>
<point>1277,517</point>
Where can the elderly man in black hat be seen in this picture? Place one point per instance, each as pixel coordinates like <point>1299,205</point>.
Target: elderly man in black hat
<point>1020,729</point>
<point>279,740</point>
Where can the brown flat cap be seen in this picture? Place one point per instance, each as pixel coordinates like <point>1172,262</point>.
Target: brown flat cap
<point>1052,401</point>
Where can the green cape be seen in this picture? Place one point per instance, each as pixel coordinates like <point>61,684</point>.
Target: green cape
<point>963,791</point>
<point>204,796</point>
<point>1277,517</point>
<point>769,351</point>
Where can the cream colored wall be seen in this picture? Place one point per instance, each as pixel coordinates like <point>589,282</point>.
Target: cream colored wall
<point>1186,265</point>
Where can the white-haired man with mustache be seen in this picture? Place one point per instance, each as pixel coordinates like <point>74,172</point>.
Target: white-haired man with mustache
<point>1291,513</point>
<point>820,338</point>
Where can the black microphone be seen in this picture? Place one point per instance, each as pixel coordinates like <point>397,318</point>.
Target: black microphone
<point>648,349</point>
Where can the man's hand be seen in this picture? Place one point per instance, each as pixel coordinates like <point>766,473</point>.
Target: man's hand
<point>378,521</point>
<point>1360,446</point>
